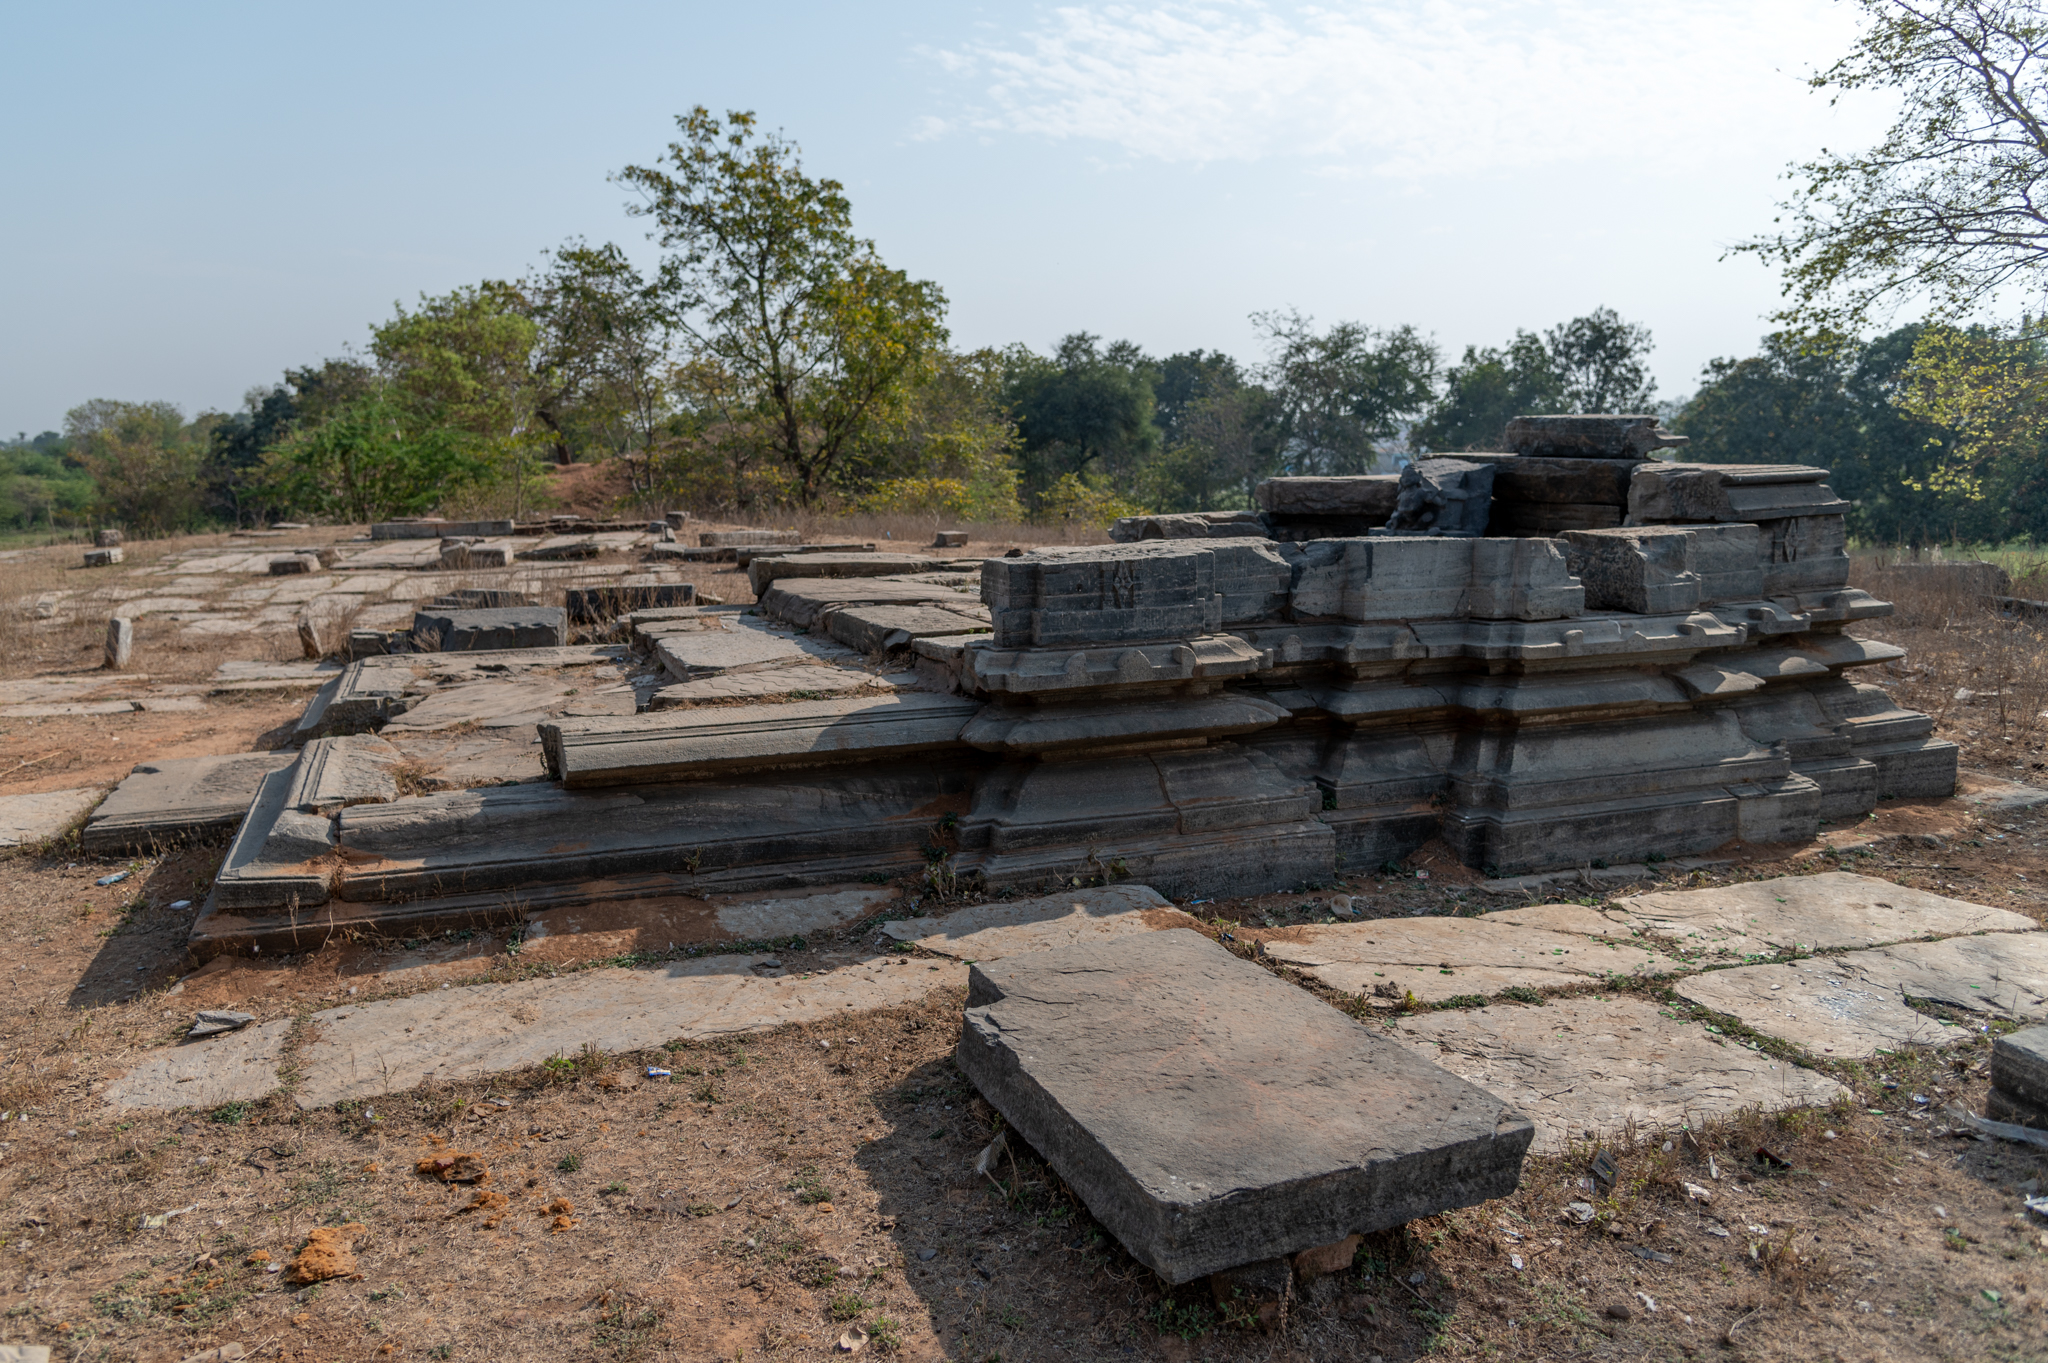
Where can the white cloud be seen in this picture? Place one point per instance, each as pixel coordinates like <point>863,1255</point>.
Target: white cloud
<point>1414,90</point>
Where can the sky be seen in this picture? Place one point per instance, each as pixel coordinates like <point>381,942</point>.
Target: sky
<point>194,198</point>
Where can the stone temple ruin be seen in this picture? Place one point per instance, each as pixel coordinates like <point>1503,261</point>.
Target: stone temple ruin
<point>1565,652</point>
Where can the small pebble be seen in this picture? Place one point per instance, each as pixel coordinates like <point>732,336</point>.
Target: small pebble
<point>1620,1311</point>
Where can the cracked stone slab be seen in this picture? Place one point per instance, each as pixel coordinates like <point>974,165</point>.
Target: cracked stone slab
<point>170,800</point>
<point>1385,959</point>
<point>235,1067</point>
<point>447,1034</point>
<point>1822,1005</point>
<point>989,932</point>
<point>1832,911</point>
<point>28,819</point>
<point>1591,1066</point>
<point>2000,973</point>
<point>779,681</point>
<point>1210,1114</point>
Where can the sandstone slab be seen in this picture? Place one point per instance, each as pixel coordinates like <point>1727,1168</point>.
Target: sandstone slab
<point>2004,974</point>
<point>178,799</point>
<point>1819,1005</point>
<point>989,932</point>
<point>1211,1115</point>
<point>1830,911</point>
<point>1589,1067</point>
<point>391,1045</point>
<point>466,631</point>
<point>1436,959</point>
<point>803,601</point>
<point>237,1067</point>
<point>694,654</point>
<point>799,682</point>
<point>27,819</point>
<point>879,629</point>
<point>763,569</point>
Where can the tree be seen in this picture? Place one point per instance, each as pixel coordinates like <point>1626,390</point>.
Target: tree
<point>1599,361</point>
<point>371,460</point>
<point>770,287</point>
<point>235,461</point>
<point>1950,206</point>
<point>950,452</point>
<point>464,360</point>
<point>1086,410</point>
<point>1489,388</point>
<point>1185,380</point>
<point>1986,390</point>
<point>602,351</point>
<point>144,458</point>
<point>1343,393</point>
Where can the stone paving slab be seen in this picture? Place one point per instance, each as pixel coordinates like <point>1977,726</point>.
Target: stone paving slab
<point>2001,973</point>
<point>1821,1005</point>
<point>989,932</point>
<point>384,1047</point>
<point>172,799</point>
<point>713,652</point>
<point>510,704</point>
<point>1592,1065</point>
<point>28,819</point>
<point>238,1067</point>
<point>1834,910</point>
<point>1436,959</point>
<point>778,681</point>
<point>1210,1114</point>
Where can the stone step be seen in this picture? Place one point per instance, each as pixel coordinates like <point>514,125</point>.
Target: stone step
<point>174,800</point>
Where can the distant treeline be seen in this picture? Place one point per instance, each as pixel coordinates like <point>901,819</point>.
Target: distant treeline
<point>772,359</point>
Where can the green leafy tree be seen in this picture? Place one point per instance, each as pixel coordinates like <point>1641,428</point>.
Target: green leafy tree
<point>950,453</point>
<point>1344,394</point>
<point>1601,363</point>
<point>146,461</point>
<point>1985,390</point>
<point>1225,440</point>
<point>813,340</point>
<point>39,484</point>
<point>373,459</point>
<point>603,353</point>
<point>1489,388</point>
<point>463,360</point>
<point>1949,208</point>
<point>1087,410</point>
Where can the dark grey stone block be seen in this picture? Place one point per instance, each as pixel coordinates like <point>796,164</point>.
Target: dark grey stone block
<point>481,599</point>
<point>1628,436</point>
<point>463,631</point>
<point>586,604</point>
<point>1211,1115</point>
<point>1442,497</point>
<point>2019,1077</point>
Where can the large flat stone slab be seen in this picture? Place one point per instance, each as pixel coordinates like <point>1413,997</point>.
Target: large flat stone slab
<point>179,799</point>
<point>810,682</point>
<point>989,932</point>
<point>801,601</point>
<point>737,647</point>
<point>1211,1115</point>
<point>238,1067</point>
<point>613,927</point>
<point>1591,1066</point>
<point>679,743</point>
<point>878,629</point>
<point>1820,1005</point>
<point>385,1047</point>
<point>1830,911</point>
<point>1435,959</point>
<point>29,819</point>
<point>764,569</point>
<point>2004,974</point>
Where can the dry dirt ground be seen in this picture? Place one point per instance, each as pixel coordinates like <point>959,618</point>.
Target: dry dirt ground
<point>782,1189</point>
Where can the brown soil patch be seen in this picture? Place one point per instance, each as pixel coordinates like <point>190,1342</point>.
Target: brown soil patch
<point>329,1253</point>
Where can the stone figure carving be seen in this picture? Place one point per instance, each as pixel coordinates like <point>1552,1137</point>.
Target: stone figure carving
<point>1450,497</point>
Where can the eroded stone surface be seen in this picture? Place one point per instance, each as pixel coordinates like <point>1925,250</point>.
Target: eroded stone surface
<point>988,932</point>
<point>1829,911</point>
<point>238,1067</point>
<point>1820,1005</point>
<point>384,1047</point>
<point>1210,1114</point>
<point>26,819</point>
<point>1580,1065</point>
<point>1435,959</point>
<point>778,681</point>
<point>169,800</point>
<point>2001,973</point>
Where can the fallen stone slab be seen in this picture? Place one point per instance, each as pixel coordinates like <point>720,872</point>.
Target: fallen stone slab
<point>678,743</point>
<point>38,817</point>
<point>803,601</point>
<point>1826,912</point>
<point>586,604</point>
<point>465,631</point>
<point>989,932</point>
<point>239,1067</point>
<point>214,1021</point>
<point>880,629</point>
<point>434,530</point>
<point>1211,1115</point>
<point>1819,1006</point>
<point>389,1046</point>
<point>694,654</point>
<point>731,539</point>
<point>1586,1068</point>
<point>2000,973</point>
<point>174,800</point>
<point>796,683</point>
<point>1990,792</point>
<point>764,569</point>
<point>745,554</point>
<point>1387,959</point>
<point>613,926</point>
